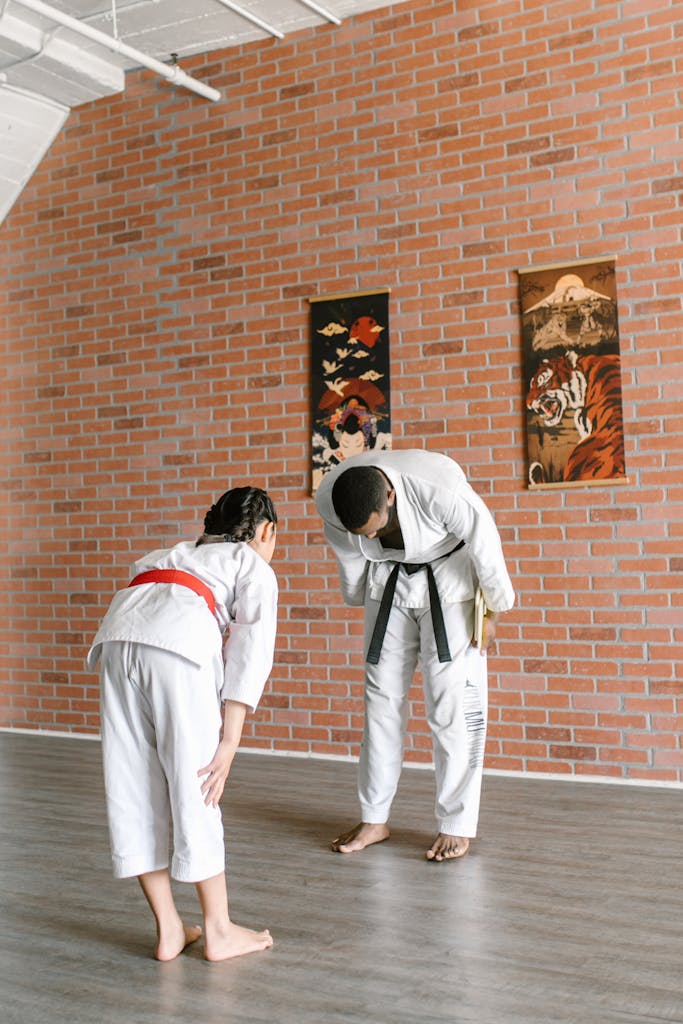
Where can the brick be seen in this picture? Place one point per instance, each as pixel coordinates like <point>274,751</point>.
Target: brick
<point>307,613</point>
<point>546,733</point>
<point>661,185</point>
<point>478,31</point>
<point>443,131</point>
<point>553,156</point>
<point>208,262</point>
<point>444,348</point>
<point>51,213</point>
<point>295,91</point>
<point>573,753</point>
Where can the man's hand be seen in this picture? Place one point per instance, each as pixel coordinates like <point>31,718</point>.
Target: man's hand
<point>489,632</point>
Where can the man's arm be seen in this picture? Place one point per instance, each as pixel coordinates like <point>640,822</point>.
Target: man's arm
<point>467,517</point>
<point>352,564</point>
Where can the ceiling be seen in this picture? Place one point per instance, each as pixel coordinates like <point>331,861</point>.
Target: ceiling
<point>57,55</point>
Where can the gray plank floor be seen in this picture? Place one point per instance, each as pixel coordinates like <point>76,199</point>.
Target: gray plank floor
<point>568,909</point>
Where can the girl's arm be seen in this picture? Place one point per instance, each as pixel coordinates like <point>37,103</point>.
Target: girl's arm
<point>218,770</point>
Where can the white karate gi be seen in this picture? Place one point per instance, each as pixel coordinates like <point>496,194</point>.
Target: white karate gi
<point>436,508</point>
<point>164,668</point>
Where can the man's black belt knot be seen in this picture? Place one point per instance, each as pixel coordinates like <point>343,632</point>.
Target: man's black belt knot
<point>380,629</point>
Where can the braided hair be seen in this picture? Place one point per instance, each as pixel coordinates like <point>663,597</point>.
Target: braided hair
<point>236,514</point>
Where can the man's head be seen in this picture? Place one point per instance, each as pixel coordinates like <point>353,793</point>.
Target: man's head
<point>364,500</point>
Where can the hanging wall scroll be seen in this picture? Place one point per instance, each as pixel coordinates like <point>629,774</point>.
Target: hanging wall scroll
<point>572,369</point>
<point>350,377</point>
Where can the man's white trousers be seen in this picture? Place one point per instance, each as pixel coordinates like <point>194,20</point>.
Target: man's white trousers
<point>160,724</point>
<point>456,705</point>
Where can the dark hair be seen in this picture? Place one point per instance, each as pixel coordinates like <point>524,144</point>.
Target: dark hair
<point>351,424</point>
<point>237,513</point>
<point>357,493</point>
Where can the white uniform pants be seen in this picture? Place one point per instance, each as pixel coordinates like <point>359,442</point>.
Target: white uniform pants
<point>455,698</point>
<point>160,724</point>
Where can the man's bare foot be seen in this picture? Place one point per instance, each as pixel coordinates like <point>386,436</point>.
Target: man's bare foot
<point>360,836</point>
<point>169,946</point>
<point>235,941</point>
<point>448,847</point>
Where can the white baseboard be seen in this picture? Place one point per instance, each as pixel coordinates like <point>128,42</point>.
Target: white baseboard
<point>604,780</point>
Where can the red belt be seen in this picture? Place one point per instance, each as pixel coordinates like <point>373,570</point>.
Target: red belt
<point>185,579</point>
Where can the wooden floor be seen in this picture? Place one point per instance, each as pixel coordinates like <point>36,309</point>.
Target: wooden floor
<point>569,908</point>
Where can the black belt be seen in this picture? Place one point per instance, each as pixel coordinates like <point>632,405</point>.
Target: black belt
<point>380,629</point>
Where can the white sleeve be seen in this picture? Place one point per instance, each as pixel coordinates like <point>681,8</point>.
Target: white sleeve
<point>249,648</point>
<point>469,518</point>
<point>352,564</point>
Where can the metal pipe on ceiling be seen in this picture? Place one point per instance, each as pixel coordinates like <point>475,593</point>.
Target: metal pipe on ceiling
<point>254,18</point>
<point>322,11</point>
<point>172,73</point>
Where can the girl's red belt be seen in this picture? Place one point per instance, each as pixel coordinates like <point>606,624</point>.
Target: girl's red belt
<point>184,579</point>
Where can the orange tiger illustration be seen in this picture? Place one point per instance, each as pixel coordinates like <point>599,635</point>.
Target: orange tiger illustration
<point>591,386</point>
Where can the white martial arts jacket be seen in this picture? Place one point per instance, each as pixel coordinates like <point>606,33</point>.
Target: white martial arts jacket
<point>436,509</point>
<point>175,618</point>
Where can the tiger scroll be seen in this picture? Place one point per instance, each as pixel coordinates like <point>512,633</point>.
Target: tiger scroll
<point>572,370</point>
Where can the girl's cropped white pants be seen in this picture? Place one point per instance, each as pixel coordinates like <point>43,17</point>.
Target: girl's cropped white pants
<point>160,724</point>
<point>455,695</point>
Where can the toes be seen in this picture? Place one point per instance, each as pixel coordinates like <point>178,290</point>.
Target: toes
<point>448,848</point>
<point>434,855</point>
<point>343,844</point>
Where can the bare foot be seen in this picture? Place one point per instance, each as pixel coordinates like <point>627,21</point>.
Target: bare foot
<point>234,941</point>
<point>448,847</point>
<point>169,946</point>
<point>360,836</point>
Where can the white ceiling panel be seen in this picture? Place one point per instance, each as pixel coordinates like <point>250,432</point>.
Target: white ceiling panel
<point>28,126</point>
<point>54,56</point>
<point>19,39</point>
<point>69,75</point>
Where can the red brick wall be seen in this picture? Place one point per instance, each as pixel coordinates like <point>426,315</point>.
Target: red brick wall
<point>155,346</point>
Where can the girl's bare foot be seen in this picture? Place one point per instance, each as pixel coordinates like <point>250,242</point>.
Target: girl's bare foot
<point>171,944</point>
<point>448,847</point>
<point>360,836</point>
<point>224,943</point>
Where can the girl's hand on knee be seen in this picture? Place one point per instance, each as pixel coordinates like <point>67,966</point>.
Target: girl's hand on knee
<point>216,774</point>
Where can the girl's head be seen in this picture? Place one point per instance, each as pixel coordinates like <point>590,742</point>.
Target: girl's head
<point>242,514</point>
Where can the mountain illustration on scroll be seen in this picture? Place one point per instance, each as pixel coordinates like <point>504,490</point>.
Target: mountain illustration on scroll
<point>572,365</point>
